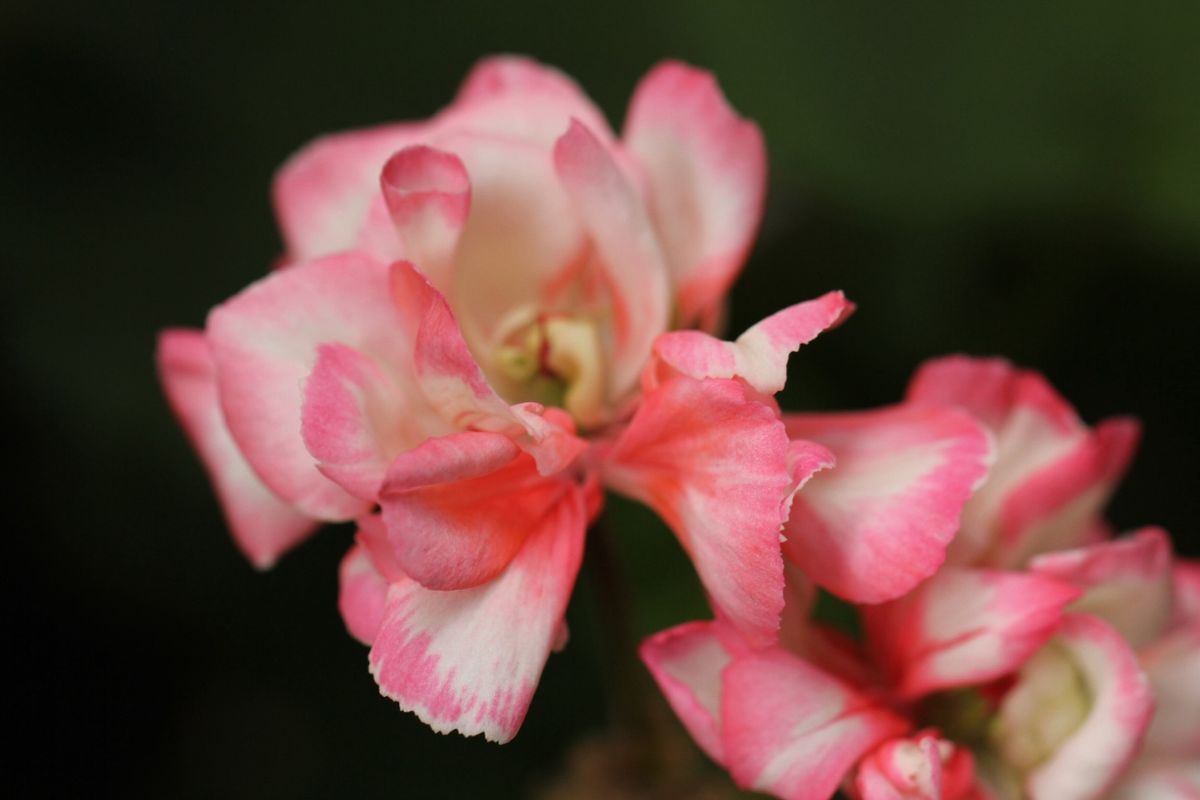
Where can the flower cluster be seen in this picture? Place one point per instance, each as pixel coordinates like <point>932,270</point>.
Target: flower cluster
<point>484,320</point>
<point>1045,658</point>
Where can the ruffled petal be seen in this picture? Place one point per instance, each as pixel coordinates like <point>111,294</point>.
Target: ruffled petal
<point>794,731</point>
<point>879,522</point>
<point>265,343</point>
<point>1126,582</point>
<point>458,508</point>
<point>706,175</point>
<point>322,193</point>
<point>714,463</point>
<point>263,525</point>
<point>686,662</point>
<point>469,660</point>
<point>964,627</point>
<point>759,356</point>
<point>625,244</point>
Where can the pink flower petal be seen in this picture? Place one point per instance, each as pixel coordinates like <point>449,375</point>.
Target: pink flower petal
<point>1051,474</point>
<point>362,594</point>
<point>355,419</point>
<point>714,463</point>
<point>626,246</point>
<point>921,767</point>
<point>964,627</point>
<point>794,731</point>
<point>1126,582</point>
<point>452,382</point>
<point>265,342</point>
<point>1173,664</point>
<point>706,173</point>
<point>263,526</point>
<point>458,508</point>
<point>686,662</point>
<point>879,522</point>
<point>759,356</point>
<point>1159,780</point>
<point>469,660</point>
<point>323,192</point>
<point>1096,752</point>
<point>518,97</point>
<point>1187,592</point>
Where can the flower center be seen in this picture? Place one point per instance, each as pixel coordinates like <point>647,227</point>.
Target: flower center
<point>553,359</point>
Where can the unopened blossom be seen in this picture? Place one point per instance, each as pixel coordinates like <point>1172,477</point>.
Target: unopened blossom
<point>470,334</point>
<point>1069,679</point>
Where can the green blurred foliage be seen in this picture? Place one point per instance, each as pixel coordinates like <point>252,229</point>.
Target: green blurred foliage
<point>993,178</point>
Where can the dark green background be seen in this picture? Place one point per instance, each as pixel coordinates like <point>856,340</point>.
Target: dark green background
<point>1020,179</point>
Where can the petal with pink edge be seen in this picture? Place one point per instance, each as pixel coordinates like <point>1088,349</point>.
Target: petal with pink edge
<point>265,343</point>
<point>964,626</point>
<point>1077,712</point>
<point>759,356</point>
<point>714,463</point>
<point>469,660</point>
<point>686,662</point>
<point>1187,592</point>
<point>362,594</point>
<point>706,174</point>
<point>323,192</point>
<point>458,508</point>
<point>516,96</point>
<point>793,730</point>
<point>879,522</point>
<point>625,243</point>
<point>1126,582</point>
<point>1173,664</point>
<point>921,767</point>
<point>355,419</point>
<point>263,526</point>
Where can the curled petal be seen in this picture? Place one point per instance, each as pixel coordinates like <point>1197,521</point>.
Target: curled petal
<point>759,356</point>
<point>921,767</point>
<point>794,731</point>
<point>1126,582</point>
<point>686,662</point>
<point>625,244</point>
<point>964,627</point>
<point>705,170</point>
<point>879,522</point>
<point>458,508</point>
<point>714,463</point>
<point>469,660</point>
<point>1187,592</point>
<point>362,594</point>
<point>263,526</point>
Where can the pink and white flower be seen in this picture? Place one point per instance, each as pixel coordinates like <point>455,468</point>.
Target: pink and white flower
<point>470,334</point>
<point>1073,678</point>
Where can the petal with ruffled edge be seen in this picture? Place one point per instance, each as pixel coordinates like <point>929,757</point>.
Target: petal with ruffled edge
<point>964,626</point>
<point>626,246</point>
<point>878,523</point>
<point>322,193</point>
<point>265,343</point>
<point>1114,706</point>
<point>453,383</point>
<point>686,662</point>
<point>759,356</point>
<point>1126,582</point>
<point>1051,474</point>
<point>263,526</point>
<point>714,463</point>
<point>458,508</point>
<point>706,175</point>
<point>794,731</point>
<point>469,660</point>
<point>516,96</point>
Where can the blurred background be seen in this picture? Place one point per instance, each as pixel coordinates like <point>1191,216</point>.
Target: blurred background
<point>1019,181</point>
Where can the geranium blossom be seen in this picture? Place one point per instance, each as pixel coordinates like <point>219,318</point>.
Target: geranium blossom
<point>982,681</point>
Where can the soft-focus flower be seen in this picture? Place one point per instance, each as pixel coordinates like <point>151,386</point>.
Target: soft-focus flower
<point>980,682</point>
<point>468,337</point>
